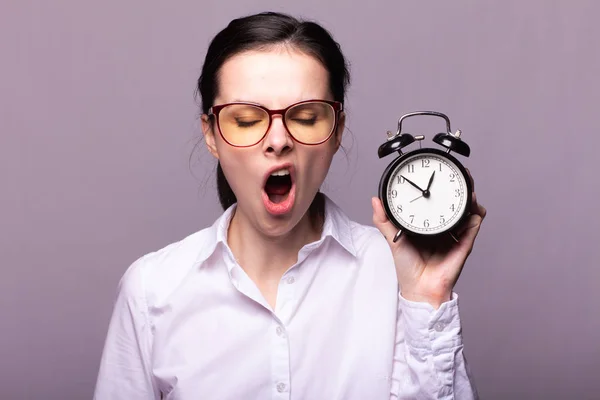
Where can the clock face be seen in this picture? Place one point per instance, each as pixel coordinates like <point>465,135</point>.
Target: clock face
<point>427,193</point>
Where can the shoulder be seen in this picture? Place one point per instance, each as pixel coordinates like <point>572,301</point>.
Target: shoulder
<point>365,236</point>
<point>365,240</point>
<point>154,275</point>
<point>369,241</point>
<point>371,254</point>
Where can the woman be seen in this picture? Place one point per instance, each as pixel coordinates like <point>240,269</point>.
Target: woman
<point>284,297</point>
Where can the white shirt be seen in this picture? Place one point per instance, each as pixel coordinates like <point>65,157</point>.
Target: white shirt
<point>188,323</point>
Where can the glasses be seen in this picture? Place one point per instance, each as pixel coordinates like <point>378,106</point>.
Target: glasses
<point>309,122</point>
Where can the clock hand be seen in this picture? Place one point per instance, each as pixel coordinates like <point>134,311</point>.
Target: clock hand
<point>416,198</point>
<point>430,180</point>
<point>412,183</point>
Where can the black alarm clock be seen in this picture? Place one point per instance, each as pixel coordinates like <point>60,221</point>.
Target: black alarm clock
<point>425,192</point>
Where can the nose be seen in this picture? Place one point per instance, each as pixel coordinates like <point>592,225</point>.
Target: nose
<point>278,139</point>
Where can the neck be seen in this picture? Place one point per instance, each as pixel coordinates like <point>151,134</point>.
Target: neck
<point>266,258</point>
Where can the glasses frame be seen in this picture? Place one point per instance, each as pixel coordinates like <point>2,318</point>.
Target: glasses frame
<point>336,105</point>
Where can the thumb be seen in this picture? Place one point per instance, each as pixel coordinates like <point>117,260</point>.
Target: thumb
<point>471,229</point>
<point>382,222</point>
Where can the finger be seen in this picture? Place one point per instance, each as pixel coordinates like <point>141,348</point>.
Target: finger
<point>481,211</point>
<point>472,180</point>
<point>470,231</point>
<point>381,220</point>
<point>477,208</point>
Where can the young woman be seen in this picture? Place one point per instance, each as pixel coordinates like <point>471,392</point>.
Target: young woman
<point>284,297</point>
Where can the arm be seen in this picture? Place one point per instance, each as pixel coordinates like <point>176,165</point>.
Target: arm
<point>125,368</point>
<point>428,356</point>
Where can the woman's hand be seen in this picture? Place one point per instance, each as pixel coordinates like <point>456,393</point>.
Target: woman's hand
<point>427,272</point>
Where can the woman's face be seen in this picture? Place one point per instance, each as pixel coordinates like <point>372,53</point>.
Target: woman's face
<point>273,78</point>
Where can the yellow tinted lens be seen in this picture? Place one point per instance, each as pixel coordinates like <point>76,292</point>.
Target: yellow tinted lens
<point>310,122</point>
<point>243,124</point>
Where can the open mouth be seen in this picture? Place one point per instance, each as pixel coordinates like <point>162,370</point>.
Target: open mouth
<point>279,191</point>
<point>278,186</point>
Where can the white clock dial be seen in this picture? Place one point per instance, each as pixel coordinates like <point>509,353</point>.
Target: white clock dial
<point>424,210</point>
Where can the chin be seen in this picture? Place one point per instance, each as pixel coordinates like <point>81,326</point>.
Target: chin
<point>283,224</point>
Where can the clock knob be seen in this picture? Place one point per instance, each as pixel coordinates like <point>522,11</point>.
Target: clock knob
<point>396,143</point>
<point>452,143</point>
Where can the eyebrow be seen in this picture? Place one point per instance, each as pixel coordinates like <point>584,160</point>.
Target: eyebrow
<point>246,101</point>
<point>238,100</point>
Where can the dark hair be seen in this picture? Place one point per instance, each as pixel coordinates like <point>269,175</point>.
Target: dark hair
<point>261,31</point>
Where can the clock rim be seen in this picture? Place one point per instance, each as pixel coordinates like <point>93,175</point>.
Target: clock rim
<point>386,177</point>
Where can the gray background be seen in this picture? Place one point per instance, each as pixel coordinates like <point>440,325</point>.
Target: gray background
<point>98,122</point>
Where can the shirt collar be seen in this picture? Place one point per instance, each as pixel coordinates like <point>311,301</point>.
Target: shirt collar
<point>337,225</point>
<point>216,235</point>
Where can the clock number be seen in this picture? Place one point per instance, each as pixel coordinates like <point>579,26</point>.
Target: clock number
<point>401,179</point>
<point>456,192</point>
<point>394,194</point>
<point>452,207</point>
<point>452,176</point>
<point>440,167</point>
<point>426,223</point>
<point>412,218</point>
<point>442,219</point>
<point>399,208</point>
<point>425,163</point>
<point>411,168</point>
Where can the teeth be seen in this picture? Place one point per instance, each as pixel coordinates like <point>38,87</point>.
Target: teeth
<point>281,172</point>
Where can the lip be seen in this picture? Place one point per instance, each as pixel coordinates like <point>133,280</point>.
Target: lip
<point>288,166</point>
<point>280,209</point>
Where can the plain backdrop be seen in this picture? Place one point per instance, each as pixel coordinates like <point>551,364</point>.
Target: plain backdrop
<point>99,165</point>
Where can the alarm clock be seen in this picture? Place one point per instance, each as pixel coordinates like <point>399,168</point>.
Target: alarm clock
<point>425,192</point>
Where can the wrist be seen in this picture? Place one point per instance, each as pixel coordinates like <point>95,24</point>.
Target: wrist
<point>435,300</point>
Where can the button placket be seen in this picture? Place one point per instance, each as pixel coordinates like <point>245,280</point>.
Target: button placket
<point>280,331</point>
<point>439,326</point>
<point>281,387</point>
<point>286,299</point>
<point>280,355</point>
<point>280,360</point>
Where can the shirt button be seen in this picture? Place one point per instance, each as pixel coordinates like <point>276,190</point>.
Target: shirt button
<point>279,331</point>
<point>439,326</point>
<point>281,387</point>
<point>291,280</point>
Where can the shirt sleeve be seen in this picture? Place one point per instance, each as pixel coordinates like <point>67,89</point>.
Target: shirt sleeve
<point>428,358</point>
<point>125,371</point>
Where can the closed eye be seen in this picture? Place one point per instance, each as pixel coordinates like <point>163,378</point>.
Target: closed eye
<point>246,124</point>
<point>305,121</point>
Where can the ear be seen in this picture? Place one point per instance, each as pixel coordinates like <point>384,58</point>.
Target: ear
<point>209,135</point>
<point>340,130</point>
